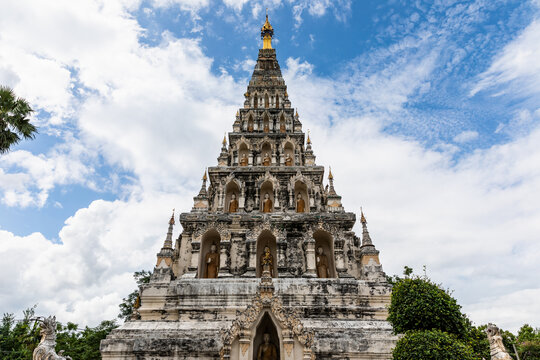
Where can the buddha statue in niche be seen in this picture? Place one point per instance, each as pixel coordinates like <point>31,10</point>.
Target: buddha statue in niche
<point>267,350</point>
<point>267,160</point>
<point>288,160</point>
<point>267,203</point>
<point>322,263</point>
<point>267,262</point>
<point>233,204</point>
<point>244,160</point>
<point>282,128</point>
<point>300,204</point>
<point>211,261</point>
<point>250,126</point>
<point>266,128</point>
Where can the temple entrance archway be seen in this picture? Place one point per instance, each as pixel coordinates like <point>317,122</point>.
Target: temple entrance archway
<point>266,326</point>
<point>324,240</point>
<point>266,238</point>
<point>211,237</point>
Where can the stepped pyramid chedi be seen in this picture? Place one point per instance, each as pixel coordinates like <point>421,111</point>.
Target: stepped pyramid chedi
<point>267,265</point>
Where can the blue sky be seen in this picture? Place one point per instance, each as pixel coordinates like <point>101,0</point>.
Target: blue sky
<point>427,112</point>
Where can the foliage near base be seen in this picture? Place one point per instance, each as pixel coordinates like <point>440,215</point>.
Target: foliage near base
<point>431,345</point>
<point>18,339</point>
<point>419,304</point>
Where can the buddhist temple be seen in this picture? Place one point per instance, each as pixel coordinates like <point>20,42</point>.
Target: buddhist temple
<point>266,266</point>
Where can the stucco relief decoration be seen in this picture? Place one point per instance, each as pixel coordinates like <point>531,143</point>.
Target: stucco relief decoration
<point>268,177</point>
<point>221,228</point>
<point>254,232</point>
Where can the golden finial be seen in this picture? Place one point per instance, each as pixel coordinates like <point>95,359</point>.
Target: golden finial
<point>308,139</point>
<point>171,222</point>
<point>362,217</point>
<point>266,33</point>
<point>330,176</point>
<point>296,113</point>
<point>224,139</point>
<point>237,113</point>
<point>204,176</point>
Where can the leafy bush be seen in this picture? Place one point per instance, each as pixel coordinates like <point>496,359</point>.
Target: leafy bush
<point>431,345</point>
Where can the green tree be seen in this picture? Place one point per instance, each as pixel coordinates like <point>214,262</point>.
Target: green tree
<point>18,338</point>
<point>82,344</point>
<point>431,345</point>
<point>528,343</point>
<point>419,304</point>
<point>14,122</point>
<point>126,307</point>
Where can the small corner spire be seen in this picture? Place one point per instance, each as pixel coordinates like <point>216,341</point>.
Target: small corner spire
<point>266,33</point>
<point>308,139</point>
<point>366,239</point>
<point>330,176</point>
<point>204,178</point>
<point>224,139</point>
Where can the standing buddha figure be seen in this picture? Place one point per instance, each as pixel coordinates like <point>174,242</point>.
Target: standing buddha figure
<point>267,203</point>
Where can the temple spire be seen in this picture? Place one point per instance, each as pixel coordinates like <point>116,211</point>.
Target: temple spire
<point>331,191</point>
<point>366,239</point>
<point>168,240</point>
<point>266,34</point>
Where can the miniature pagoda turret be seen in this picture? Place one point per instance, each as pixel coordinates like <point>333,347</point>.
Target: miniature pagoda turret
<point>267,257</point>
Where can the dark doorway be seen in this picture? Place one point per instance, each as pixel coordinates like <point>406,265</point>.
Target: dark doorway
<point>266,326</point>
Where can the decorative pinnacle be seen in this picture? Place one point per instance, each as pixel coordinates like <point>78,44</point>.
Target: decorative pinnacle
<point>366,239</point>
<point>266,34</point>
<point>296,113</point>
<point>168,240</point>
<point>362,217</point>
<point>308,139</point>
<point>330,176</point>
<point>204,178</point>
<point>224,139</point>
<point>171,222</point>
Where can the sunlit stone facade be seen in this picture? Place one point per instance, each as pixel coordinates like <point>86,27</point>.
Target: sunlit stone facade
<point>266,249</point>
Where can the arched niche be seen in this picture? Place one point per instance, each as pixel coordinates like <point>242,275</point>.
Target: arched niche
<point>255,101</point>
<point>266,238</point>
<point>324,240</point>
<point>266,325</point>
<point>250,123</point>
<point>266,123</point>
<point>231,188</point>
<point>288,151</point>
<point>266,101</point>
<point>282,124</point>
<point>210,237</point>
<point>277,101</point>
<point>266,150</point>
<point>301,188</point>
<point>243,150</point>
<point>267,188</point>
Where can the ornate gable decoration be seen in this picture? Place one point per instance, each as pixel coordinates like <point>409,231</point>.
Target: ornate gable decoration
<point>288,320</point>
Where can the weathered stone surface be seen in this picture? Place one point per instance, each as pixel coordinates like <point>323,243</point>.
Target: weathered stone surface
<point>183,315</point>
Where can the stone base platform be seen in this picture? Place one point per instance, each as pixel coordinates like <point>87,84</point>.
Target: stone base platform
<point>225,318</point>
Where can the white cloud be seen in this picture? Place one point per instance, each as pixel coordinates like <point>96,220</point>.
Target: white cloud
<point>28,178</point>
<point>466,136</point>
<point>517,66</point>
<point>84,278</point>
